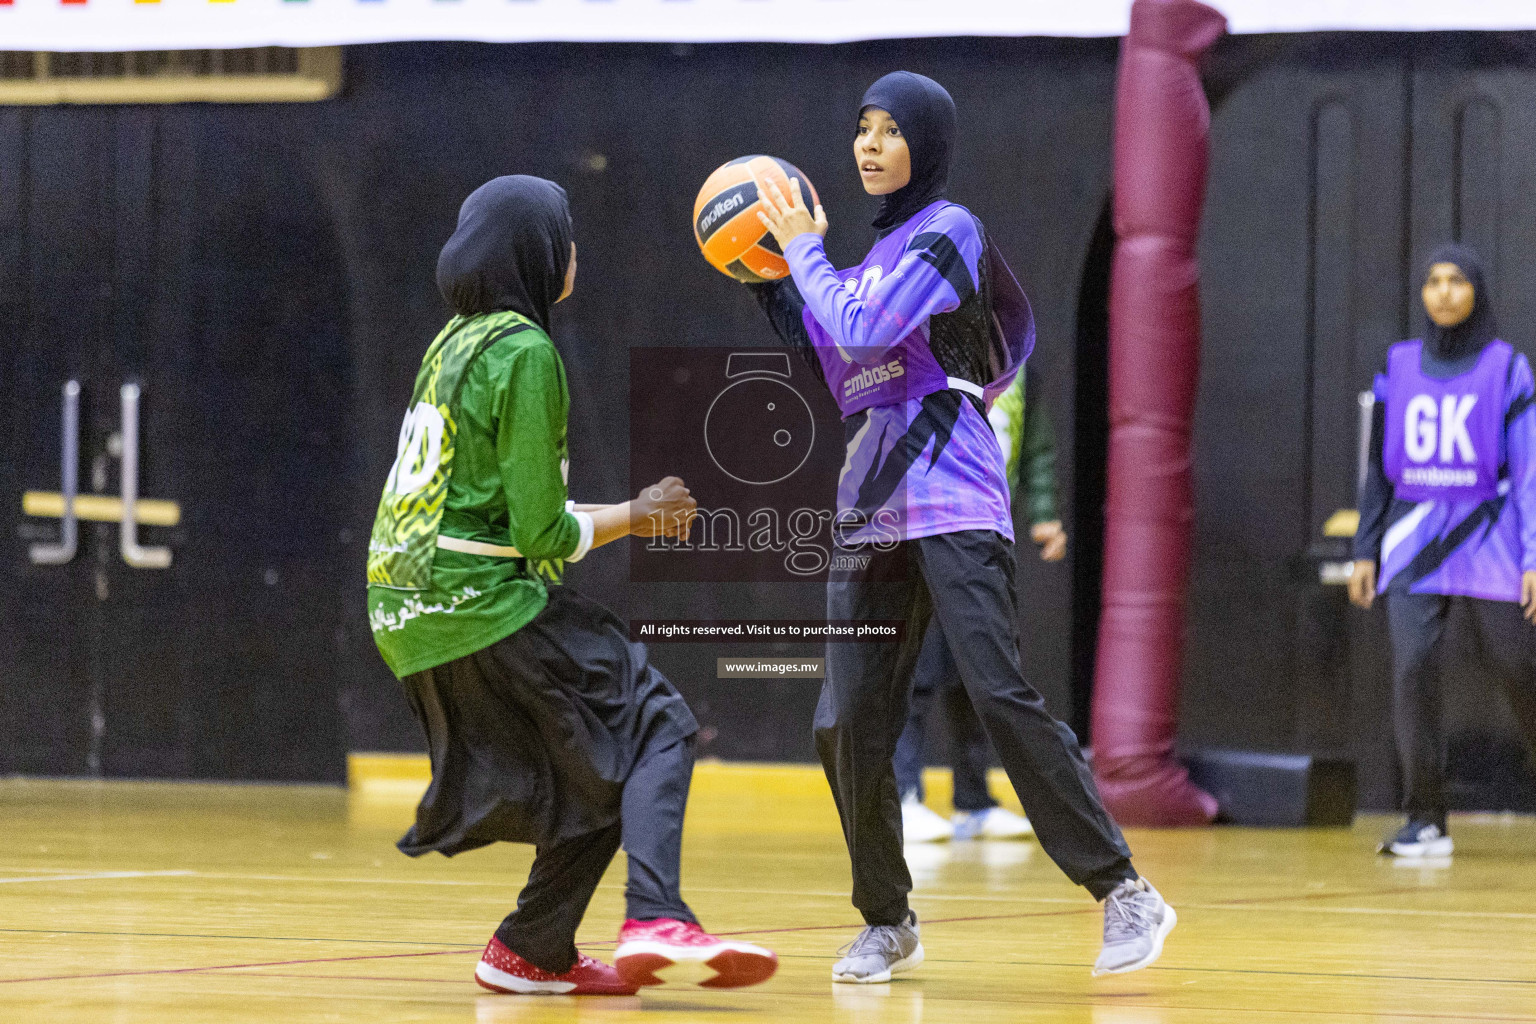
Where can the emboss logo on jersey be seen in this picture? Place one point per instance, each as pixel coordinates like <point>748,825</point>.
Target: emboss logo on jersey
<point>871,377</point>
<point>1439,429</point>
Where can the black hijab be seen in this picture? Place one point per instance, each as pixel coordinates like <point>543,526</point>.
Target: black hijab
<point>925,113</point>
<point>986,339</point>
<point>1479,328</point>
<point>510,250</point>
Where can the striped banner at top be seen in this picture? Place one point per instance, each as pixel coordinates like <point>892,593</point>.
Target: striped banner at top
<point>85,25</point>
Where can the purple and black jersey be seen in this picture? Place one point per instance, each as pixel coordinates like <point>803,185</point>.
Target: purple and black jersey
<point>1442,427</point>
<point>921,457</point>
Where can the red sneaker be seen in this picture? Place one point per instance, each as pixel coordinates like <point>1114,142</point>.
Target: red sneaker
<point>502,970</point>
<point>687,952</point>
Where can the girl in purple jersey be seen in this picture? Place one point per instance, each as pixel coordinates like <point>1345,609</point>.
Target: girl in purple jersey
<point>914,343</point>
<point>1448,514</point>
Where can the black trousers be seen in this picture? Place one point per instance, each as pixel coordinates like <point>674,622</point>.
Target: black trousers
<point>1501,638</point>
<point>966,581</point>
<point>937,680</point>
<point>542,930</point>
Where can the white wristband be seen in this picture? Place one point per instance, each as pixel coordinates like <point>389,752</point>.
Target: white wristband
<point>584,520</point>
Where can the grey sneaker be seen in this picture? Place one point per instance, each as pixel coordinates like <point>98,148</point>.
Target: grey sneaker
<point>880,951</point>
<point>1136,921</point>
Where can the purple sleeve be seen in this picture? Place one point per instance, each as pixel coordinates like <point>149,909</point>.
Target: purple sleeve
<point>934,275</point>
<point>1520,448</point>
<point>1375,490</point>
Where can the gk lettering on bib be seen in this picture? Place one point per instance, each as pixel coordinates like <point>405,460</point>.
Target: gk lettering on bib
<point>1444,438</point>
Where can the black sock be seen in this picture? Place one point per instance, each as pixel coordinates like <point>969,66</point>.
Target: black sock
<point>1101,883</point>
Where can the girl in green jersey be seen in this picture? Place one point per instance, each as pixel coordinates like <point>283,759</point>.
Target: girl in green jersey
<point>544,723</point>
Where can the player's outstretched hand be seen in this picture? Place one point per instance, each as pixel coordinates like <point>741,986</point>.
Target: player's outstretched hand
<point>787,217</point>
<point>1362,583</point>
<point>1528,594</point>
<point>664,508</point>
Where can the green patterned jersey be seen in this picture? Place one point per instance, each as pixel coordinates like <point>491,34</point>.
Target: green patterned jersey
<point>480,467</point>
<point>404,539</point>
<point>1028,441</point>
<point>1007,418</point>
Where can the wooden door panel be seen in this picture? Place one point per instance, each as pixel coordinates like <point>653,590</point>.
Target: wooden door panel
<point>1300,262</point>
<point>52,307</point>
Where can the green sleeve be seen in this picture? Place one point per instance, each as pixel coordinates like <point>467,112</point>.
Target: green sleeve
<point>1007,419</point>
<point>530,450</point>
<point>1037,462</point>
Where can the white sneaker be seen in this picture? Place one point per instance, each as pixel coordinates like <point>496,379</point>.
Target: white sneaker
<point>992,823</point>
<point>1136,921</point>
<point>921,825</point>
<point>881,951</point>
<point>1417,840</point>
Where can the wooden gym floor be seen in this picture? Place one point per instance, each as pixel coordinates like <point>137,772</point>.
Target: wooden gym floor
<point>123,903</point>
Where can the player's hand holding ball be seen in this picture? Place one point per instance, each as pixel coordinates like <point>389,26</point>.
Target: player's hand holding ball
<point>788,217</point>
<point>665,508</point>
<point>732,237</point>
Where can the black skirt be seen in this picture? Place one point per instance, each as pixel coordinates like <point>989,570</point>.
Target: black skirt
<point>533,737</point>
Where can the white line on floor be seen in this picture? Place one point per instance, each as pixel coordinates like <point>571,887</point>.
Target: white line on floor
<point>920,898</point>
<point>98,874</point>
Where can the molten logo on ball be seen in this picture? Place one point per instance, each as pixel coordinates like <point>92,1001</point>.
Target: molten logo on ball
<point>720,208</point>
<point>725,220</point>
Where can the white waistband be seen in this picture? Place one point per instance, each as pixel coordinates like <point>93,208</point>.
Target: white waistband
<point>966,386</point>
<point>475,547</point>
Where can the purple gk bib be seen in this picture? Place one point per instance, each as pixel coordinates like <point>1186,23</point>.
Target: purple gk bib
<point>1444,438</point>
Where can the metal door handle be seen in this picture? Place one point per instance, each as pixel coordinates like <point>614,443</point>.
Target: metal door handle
<point>133,553</point>
<point>69,485</point>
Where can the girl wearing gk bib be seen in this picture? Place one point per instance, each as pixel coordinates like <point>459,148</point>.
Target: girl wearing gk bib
<point>1448,514</point>
<point>544,723</point>
<point>915,343</point>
